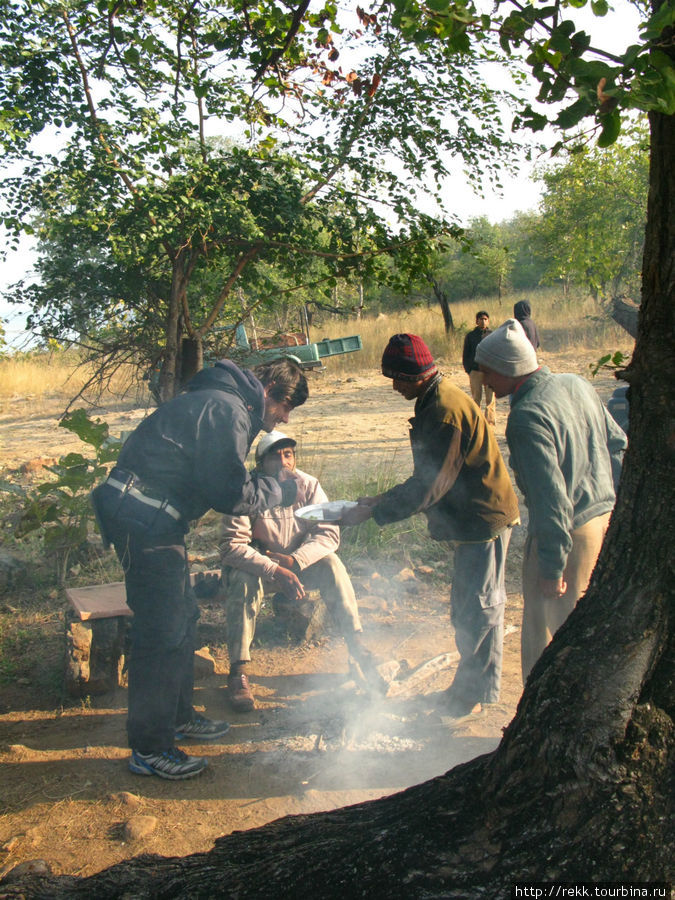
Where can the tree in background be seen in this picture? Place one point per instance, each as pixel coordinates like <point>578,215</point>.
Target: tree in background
<point>593,214</point>
<point>188,143</point>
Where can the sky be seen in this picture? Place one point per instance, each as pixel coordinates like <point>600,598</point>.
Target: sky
<point>519,193</point>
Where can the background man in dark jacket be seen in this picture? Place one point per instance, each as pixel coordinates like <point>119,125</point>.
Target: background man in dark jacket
<point>522,311</point>
<point>471,341</point>
<point>187,457</point>
<point>460,482</point>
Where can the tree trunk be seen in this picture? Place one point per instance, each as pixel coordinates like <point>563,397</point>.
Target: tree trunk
<point>191,358</point>
<point>444,304</point>
<point>581,787</point>
<point>169,376</point>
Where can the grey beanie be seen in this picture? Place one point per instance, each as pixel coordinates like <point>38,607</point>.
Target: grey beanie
<point>507,350</point>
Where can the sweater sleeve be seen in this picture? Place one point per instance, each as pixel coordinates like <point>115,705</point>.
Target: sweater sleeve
<point>237,551</point>
<point>437,466</point>
<point>534,460</point>
<point>467,355</point>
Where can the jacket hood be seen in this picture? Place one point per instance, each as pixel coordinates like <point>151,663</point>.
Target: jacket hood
<point>522,310</point>
<point>226,376</point>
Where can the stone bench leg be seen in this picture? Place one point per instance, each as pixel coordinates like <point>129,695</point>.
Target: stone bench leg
<point>94,654</point>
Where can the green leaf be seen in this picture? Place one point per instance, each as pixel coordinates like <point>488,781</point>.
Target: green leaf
<point>572,115</point>
<point>611,127</point>
<point>662,19</point>
<point>600,7</point>
<point>90,432</point>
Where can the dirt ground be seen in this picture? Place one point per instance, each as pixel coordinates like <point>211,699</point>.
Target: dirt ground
<point>316,740</point>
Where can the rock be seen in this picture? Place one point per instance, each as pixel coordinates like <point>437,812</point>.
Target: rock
<point>126,798</point>
<point>405,575</point>
<point>139,827</point>
<point>304,621</point>
<point>205,664</point>
<point>30,867</point>
<point>425,570</point>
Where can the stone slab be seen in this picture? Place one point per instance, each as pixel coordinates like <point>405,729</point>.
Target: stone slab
<point>99,601</point>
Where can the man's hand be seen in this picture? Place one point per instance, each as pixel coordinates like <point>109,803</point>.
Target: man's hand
<point>281,559</point>
<point>551,588</point>
<point>357,514</point>
<point>288,583</point>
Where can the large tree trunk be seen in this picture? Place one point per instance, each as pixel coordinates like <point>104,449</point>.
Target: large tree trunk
<point>581,787</point>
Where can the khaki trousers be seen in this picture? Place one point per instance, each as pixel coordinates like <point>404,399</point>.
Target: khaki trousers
<point>244,595</point>
<point>542,618</point>
<point>477,385</point>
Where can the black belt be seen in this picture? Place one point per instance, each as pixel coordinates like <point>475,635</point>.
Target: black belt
<point>128,483</point>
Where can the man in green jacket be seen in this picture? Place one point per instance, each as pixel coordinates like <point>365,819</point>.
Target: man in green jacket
<point>461,483</point>
<point>566,453</point>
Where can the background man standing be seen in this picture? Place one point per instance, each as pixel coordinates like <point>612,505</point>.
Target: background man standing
<point>187,457</point>
<point>476,382</point>
<point>460,482</point>
<point>276,549</point>
<point>566,453</point>
<point>522,311</point>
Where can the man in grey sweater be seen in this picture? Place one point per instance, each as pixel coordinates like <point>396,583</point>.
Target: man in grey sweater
<point>566,453</point>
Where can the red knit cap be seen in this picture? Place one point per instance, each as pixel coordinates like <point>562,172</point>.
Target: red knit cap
<point>407,358</point>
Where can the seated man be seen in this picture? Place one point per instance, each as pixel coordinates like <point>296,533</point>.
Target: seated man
<point>277,550</point>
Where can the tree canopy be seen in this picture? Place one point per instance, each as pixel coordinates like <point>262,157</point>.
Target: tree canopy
<point>192,147</point>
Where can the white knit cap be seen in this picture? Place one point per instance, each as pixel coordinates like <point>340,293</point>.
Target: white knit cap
<point>507,350</point>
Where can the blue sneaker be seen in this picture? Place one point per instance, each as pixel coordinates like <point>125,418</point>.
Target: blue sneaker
<point>172,764</point>
<point>201,729</point>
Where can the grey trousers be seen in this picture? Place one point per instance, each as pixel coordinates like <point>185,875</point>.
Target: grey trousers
<point>244,595</point>
<point>477,614</point>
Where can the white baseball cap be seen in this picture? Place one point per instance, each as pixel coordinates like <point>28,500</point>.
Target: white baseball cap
<point>273,440</point>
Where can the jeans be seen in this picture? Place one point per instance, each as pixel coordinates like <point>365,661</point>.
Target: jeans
<point>477,615</point>
<point>163,629</point>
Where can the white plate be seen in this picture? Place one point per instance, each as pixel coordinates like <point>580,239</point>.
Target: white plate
<point>324,512</point>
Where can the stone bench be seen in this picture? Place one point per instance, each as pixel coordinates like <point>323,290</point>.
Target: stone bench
<point>97,622</point>
<point>96,629</point>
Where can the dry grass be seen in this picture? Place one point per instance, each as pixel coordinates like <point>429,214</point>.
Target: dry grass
<point>578,323</point>
<point>47,376</point>
<point>563,325</point>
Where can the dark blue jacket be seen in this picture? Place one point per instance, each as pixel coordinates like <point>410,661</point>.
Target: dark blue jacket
<point>523,311</point>
<point>193,448</point>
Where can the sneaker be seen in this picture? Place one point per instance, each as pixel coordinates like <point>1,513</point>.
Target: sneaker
<point>239,693</point>
<point>172,764</point>
<point>201,729</point>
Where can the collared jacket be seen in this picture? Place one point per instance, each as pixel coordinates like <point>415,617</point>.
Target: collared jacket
<point>193,448</point>
<point>459,481</point>
<point>471,341</point>
<point>244,539</point>
<point>566,453</point>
